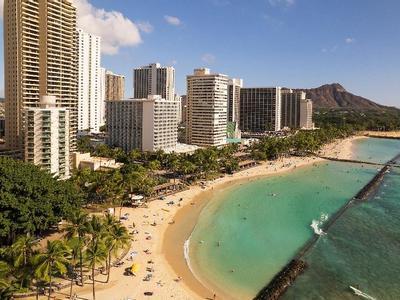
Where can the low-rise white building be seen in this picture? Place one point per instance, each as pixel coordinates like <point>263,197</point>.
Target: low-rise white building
<point>146,124</point>
<point>47,137</point>
<point>94,163</point>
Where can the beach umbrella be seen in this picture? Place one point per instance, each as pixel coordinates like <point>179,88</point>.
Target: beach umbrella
<point>135,268</point>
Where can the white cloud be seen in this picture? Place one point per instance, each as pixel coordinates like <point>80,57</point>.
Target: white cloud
<point>350,40</point>
<point>1,9</point>
<point>208,58</point>
<point>115,29</point>
<point>145,27</point>
<point>175,21</point>
<point>282,2</point>
<point>329,50</point>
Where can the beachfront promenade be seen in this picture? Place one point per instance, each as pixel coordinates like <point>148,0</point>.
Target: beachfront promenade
<point>286,277</point>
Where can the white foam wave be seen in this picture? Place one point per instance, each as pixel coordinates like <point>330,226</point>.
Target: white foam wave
<point>186,254</point>
<point>316,224</point>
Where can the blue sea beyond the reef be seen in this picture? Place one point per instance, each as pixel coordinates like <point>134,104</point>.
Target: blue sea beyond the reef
<point>248,232</point>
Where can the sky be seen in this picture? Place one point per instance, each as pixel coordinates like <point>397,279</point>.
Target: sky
<point>290,43</point>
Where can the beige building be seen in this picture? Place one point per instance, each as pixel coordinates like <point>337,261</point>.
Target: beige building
<point>154,79</point>
<point>40,58</point>
<point>47,137</point>
<point>86,161</point>
<point>114,86</point>
<point>146,124</point>
<point>234,87</point>
<point>296,110</point>
<point>306,114</point>
<point>207,100</point>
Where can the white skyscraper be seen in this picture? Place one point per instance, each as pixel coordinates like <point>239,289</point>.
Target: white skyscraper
<point>47,137</point>
<point>90,98</point>
<point>147,124</point>
<point>207,101</point>
<point>154,80</point>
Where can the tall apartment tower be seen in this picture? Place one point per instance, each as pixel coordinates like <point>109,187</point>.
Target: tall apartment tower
<point>146,124</point>
<point>183,109</point>
<point>154,80</point>
<point>290,109</point>
<point>234,87</point>
<point>296,110</point>
<point>306,114</point>
<point>47,137</point>
<point>114,86</point>
<point>260,109</point>
<point>103,95</point>
<point>40,58</point>
<point>207,101</point>
<point>90,98</point>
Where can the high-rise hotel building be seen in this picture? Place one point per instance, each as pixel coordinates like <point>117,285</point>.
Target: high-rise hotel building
<point>291,108</point>
<point>46,137</point>
<point>146,124</point>
<point>234,87</point>
<point>306,114</point>
<point>207,101</point>
<point>90,97</point>
<point>114,86</point>
<point>296,110</point>
<point>40,58</point>
<point>260,109</point>
<point>154,80</point>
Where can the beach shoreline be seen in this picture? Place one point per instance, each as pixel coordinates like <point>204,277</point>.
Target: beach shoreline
<point>163,230</point>
<point>175,237</point>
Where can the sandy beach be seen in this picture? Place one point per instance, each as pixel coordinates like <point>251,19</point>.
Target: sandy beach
<point>386,134</point>
<point>163,228</point>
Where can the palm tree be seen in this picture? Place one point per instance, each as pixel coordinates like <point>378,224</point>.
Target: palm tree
<point>22,250</point>
<point>95,229</point>
<point>116,238</point>
<point>77,227</point>
<point>5,272</point>
<point>54,259</point>
<point>75,245</point>
<point>96,254</point>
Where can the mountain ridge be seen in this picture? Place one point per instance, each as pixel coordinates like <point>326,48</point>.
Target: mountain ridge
<point>335,96</point>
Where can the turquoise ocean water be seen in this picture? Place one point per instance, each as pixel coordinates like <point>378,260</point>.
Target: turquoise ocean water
<point>250,231</point>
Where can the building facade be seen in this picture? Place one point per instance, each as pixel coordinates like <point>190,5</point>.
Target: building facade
<point>296,110</point>
<point>146,124</point>
<point>90,97</point>
<point>260,109</point>
<point>290,110</point>
<point>114,86</point>
<point>183,109</point>
<point>306,114</point>
<point>47,137</point>
<point>40,58</point>
<point>207,101</point>
<point>234,87</point>
<point>154,80</point>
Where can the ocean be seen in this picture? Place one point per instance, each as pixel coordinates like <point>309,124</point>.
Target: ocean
<point>250,231</point>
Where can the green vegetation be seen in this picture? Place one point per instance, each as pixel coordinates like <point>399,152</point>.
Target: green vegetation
<point>89,243</point>
<point>32,201</point>
<point>381,120</point>
<point>302,143</point>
